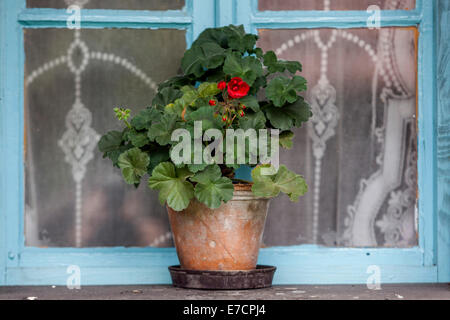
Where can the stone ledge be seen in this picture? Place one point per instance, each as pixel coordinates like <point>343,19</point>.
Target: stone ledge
<point>292,292</point>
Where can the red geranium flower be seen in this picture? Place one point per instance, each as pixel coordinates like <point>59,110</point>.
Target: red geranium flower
<point>221,85</point>
<point>212,103</point>
<point>237,88</point>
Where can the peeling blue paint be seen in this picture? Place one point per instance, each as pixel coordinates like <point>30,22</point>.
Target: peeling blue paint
<point>98,18</point>
<point>427,161</point>
<point>443,152</point>
<point>11,134</point>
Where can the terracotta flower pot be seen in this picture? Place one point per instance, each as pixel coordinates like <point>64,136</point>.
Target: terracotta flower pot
<point>227,238</point>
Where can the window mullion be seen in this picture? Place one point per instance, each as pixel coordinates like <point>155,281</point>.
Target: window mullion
<point>99,18</point>
<point>332,19</point>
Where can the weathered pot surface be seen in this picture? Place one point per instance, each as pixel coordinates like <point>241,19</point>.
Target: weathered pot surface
<point>227,238</point>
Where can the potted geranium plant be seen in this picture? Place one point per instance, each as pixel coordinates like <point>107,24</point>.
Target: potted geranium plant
<point>182,142</point>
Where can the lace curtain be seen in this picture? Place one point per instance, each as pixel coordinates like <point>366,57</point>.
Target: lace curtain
<point>359,152</point>
<point>73,80</point>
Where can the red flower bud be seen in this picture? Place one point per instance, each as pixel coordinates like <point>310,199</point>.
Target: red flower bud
<point>242,113</point>
<point>221,85</point>
<point>224,118</point>
<point>244,107</point>
<point>237,88</point>
<point>212,103</point>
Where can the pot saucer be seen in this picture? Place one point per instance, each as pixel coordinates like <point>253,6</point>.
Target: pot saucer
<point>258,278</point>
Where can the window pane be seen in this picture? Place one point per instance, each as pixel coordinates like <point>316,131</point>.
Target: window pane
<point>276,5</point>
<point>109,4</point>
<point>73,81</point>
<point>359,152</point>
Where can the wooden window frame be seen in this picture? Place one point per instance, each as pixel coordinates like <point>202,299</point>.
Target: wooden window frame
<point>305,264</point>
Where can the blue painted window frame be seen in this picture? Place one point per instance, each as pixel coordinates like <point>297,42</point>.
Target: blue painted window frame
<point>20,265</point>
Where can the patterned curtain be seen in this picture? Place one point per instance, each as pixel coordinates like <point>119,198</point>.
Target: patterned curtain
<point>74,78</point>
<point>359,152</point>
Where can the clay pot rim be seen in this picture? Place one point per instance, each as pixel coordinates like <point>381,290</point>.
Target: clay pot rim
<point>243,186</point>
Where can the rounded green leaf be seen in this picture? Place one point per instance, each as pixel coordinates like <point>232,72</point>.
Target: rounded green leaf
<point>288,116</point>
<point>274,65</point>
<point>211,188</point>
<point>110,141</point>
<point>172,185</point>
<point>248,68</point>
<point>282,90</point>
<point>138,139</point>
<point>208,89</point>
<point>144,119</point>
<point>268,184</point>
<point>199,57</point>
<point>285,139</point>
<point>250,102</point>
<point>134,164</point>
<point>253,121</point>
<point>162,131</point>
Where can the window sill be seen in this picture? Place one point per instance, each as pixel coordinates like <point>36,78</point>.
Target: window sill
<point>164,292</point>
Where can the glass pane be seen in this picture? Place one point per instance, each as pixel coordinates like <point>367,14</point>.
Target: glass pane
<point>359,153</point>
<point>73,81</point>
<point>276,5</point>
<point>109,4</point>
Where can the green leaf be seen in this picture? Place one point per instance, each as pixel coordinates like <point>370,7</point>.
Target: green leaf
<point>247,68</point>
<point>284,180</point>
<point>183,173</point>
<point>197,167</point>
<point>274,65</point>
<point>213,193</point>
<point>211,188</point>
<point>298,83</point>
<point>260,82</point>
<point>233,37</point>
<point>212,35</point>
<point>134,164</point>
<point>111,146</point>
<point>172,185</point>
<point>162,132</point>
<point>285,139</point>
<point>205,114</point>
<point>176,82</point>
<point>156,157</point>
<point>175,108</point>
<point>289,116</point>
<point>143,120</point>
<point>165,96</point>
<point>258,52</point>
<point>250,102</point>
<point>110,141</point>
<point>253,121</point>
<point>138,139</point>
<point>239,40</point>
<point>207,89</point>
<point>189,95</point>
<point>282,90</point>
<point>199,58</point>
<point>215,75</point>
